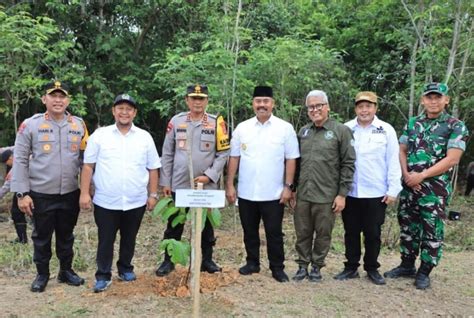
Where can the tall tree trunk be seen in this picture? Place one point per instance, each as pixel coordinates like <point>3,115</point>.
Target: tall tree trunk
<point>467,53</point>
<point>236,58</point>
<point>412,78</point>
<point>454,45</point>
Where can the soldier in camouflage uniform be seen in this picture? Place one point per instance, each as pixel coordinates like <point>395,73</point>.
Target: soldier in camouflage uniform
<point>207,136</point>
<point>431,144</point>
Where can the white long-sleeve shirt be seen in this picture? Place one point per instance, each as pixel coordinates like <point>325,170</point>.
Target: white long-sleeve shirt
<point>377,167</point>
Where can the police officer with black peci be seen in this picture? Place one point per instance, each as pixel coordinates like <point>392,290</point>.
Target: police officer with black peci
<point>47,160</point>
<point>209,149</point>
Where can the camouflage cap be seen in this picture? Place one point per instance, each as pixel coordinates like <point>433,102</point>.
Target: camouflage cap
<point>438,88</point>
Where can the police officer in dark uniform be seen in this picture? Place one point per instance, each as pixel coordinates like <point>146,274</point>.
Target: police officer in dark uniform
<point>47,159</point>
<point>209,148</point>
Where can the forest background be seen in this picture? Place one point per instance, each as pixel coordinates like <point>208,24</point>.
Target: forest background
<point>153,49</point>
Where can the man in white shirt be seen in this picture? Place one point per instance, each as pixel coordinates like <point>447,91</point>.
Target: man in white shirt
<point>264,149</point>
<point>377,182</point>
<point>123,163</point>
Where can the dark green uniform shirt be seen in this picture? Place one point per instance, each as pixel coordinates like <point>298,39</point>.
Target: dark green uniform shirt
<point>327,161</point>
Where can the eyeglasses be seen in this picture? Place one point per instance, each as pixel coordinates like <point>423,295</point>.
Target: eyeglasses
<point>315,107</point>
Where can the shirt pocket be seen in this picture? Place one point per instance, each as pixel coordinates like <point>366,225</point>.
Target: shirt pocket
<point>181,139</point>
<point>207,142</point>
<point>110,152</point>
<point>376,145</point>
<point>46,141</point>
<point>74,142</point>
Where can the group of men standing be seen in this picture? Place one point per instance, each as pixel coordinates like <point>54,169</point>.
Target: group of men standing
<point>326,169</point>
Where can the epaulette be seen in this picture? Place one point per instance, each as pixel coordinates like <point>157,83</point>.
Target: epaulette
<point>212,116</point>
<point>37,115</point>
<point>78,118</point>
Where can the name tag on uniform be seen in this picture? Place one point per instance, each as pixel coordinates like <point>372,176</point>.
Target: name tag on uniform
<point>187,198</point>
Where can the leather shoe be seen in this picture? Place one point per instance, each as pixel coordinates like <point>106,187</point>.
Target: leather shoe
<point>401,271</point>
<point>210,267</point>
<point>40,282</point>
<point>280,276</point>
<point>301,274</point>
<point>422,281</point>
<point>249,269</point>
<point>165,268</point>
<point>347,274</point>
<point>70,277</point>
<point>315,275</point>
<point>375,277</point>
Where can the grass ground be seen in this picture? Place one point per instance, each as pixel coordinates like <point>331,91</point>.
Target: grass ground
<point>452,292</point>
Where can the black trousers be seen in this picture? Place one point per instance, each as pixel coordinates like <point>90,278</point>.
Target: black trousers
<point>469,185</point>
<point>367,216</point>
<point>208,240</point>
<point>109,222</point>
<point>271,212</point>
<point>54,213</point>
<point>18,217</point>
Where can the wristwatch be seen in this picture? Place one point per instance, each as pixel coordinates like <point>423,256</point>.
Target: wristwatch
<point>21,195</point>
<point>154,195</point>
<point>291,186</point>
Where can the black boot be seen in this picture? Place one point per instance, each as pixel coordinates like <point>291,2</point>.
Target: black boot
<point>166,267</point>
<point>405,269</point>
<point>21,232</point>
<point>207,264</point>
<point>422,279</point>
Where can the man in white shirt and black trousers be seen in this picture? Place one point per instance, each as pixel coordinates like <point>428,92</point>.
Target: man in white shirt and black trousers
<point>123,162</point>
<point>376,184</point>
<point>264,149</point>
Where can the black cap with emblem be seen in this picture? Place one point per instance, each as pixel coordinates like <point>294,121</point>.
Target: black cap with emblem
<point>56,86</point>
<point>125,98</point>
<point>197,91</point>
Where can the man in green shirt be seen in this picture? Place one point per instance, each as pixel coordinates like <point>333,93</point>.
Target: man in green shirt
<point>324,178</point>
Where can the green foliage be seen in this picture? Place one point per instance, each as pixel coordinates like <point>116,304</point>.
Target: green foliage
<point>165,208</point>
<point>178,250</point>
<point>154,50</point>
<point>215,217</point>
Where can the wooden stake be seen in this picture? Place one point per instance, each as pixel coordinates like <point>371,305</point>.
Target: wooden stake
<point>196,262</point>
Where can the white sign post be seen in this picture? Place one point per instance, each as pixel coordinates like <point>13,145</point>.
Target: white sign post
<point>197,200</point>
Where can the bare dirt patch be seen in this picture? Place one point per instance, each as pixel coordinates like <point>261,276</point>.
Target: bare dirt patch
<point>227,293</point>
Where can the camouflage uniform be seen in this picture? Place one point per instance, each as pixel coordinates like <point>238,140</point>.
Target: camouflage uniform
<point>421,213</point>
